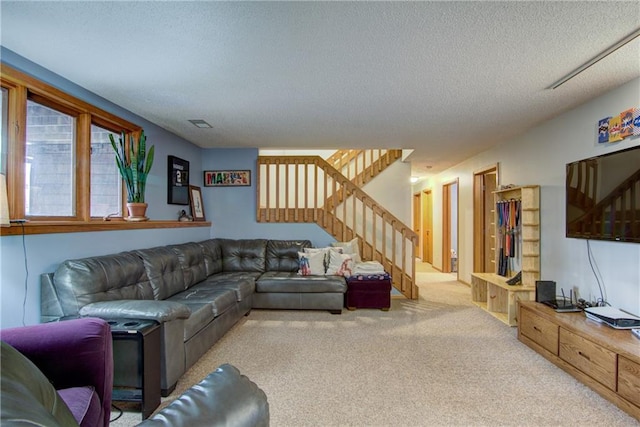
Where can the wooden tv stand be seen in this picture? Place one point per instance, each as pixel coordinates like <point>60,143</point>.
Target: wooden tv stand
<point>605,359</point>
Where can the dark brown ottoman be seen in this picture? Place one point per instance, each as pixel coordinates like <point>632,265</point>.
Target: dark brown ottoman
<point>372,291</point>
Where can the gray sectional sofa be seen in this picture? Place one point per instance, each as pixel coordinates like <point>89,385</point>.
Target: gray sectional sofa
<point>196,291</point>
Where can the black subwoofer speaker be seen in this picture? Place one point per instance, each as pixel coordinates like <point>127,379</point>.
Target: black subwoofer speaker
<point>545,290</point>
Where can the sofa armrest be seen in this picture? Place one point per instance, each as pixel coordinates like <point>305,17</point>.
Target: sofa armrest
<point>72,353</point>
<point>224,398</point>
<point>160,311</point>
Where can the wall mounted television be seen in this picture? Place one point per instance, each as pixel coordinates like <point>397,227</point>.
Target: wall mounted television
<point>603,197</point>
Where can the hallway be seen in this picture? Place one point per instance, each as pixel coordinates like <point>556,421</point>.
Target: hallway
<point>441,287</point>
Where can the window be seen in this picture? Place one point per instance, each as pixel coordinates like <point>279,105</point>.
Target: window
<point>50,162</point>
<point>59,161</point>
<point>56,153</point>
<point>106,185</point>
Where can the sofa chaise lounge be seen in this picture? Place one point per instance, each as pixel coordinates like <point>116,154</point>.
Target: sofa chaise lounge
<point>196,291</point>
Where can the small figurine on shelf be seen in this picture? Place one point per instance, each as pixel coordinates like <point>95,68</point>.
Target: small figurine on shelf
<point>184,216</point>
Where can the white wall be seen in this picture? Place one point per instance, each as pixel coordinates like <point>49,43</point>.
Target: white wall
<point>539,157</point>
<point>393,191</point>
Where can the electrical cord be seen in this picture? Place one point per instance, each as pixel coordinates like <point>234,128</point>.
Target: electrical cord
<point>26,269</point>
<point>596,273</point>
<point>120,412</point>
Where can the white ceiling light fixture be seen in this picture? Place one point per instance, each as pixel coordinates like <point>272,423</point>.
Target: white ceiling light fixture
<point>596,59</point>
<point>414,179</point>
<point>199,123</point>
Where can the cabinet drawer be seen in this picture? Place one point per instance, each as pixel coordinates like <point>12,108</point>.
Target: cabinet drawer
<point>592,359</point>
<point>629,380</point>
<point>539,330</point>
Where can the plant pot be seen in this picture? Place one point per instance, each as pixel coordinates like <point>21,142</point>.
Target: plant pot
<point>137,212</point>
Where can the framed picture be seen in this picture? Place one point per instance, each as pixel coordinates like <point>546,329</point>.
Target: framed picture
<point>197,207</point>
<point>228,178</point>
<point>178,181</point>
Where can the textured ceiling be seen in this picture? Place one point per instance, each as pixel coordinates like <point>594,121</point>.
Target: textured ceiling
<point>447,79</point>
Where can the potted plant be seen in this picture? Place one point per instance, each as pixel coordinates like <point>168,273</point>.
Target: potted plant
<point>134,164</point>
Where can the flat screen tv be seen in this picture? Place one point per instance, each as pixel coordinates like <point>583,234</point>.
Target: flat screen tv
<point>603,197</point>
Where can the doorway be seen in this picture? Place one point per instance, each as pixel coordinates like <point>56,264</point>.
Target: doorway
<point>423,225</point>
<point>417,221</point>
<point>485,182</point>
<point>427,227</point>
<point>450,227</point>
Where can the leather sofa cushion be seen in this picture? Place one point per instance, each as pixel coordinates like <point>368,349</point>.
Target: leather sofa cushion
<point>163,270</point>
<point>110,277</point>
<point>27,396</point>
<point>191,256</point>
<point>243,255</point>
<point>220,300</point>
<point>279,281</point>
<point>201,316</point>
<point>234,275</point>
<point>212,256</point>
<point>84,404</point>
<point>282,255</point>
<point>160,311</point>
<point>224,398</point>
<point>243,287</point>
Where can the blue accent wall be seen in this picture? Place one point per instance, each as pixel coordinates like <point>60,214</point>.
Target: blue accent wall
<point>232,210</point>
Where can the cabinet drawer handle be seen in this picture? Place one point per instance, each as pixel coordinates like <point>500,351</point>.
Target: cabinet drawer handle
<point>492,296</point>
<point>537,329</point>
<point>585,356</point>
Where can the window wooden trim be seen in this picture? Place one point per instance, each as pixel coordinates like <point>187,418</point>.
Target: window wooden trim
<point>50,227</point>
<point>20,88</point>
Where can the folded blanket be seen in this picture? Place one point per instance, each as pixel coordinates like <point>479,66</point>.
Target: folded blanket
<point>368,267</point>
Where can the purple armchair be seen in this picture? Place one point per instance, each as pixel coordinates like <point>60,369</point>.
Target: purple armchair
<point>75,356</point>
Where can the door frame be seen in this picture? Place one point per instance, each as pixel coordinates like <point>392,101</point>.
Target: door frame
<point>480,213</point>
<point>446,224</point>
<point>416,219</point>
<point>427,226</point>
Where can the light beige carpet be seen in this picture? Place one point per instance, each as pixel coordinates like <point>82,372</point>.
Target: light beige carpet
<point>437,361</point>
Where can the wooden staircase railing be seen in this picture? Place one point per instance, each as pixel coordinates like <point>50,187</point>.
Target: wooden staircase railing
<point>615,213</point>
<point>297,188</point>
<point>361,166</point>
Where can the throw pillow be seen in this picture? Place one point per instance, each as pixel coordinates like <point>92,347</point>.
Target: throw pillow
<point>325,251</point>
<point>350,247</point>
<point>311,264</point>
<point>340,264</point>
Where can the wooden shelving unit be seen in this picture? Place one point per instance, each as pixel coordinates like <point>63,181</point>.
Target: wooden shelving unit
<point>490,291</point>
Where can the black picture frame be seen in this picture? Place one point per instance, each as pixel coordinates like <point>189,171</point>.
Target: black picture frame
<point>177,181</point>
<point>197,205</point>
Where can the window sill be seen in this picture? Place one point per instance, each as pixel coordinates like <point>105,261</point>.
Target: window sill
<point>50,227</point>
